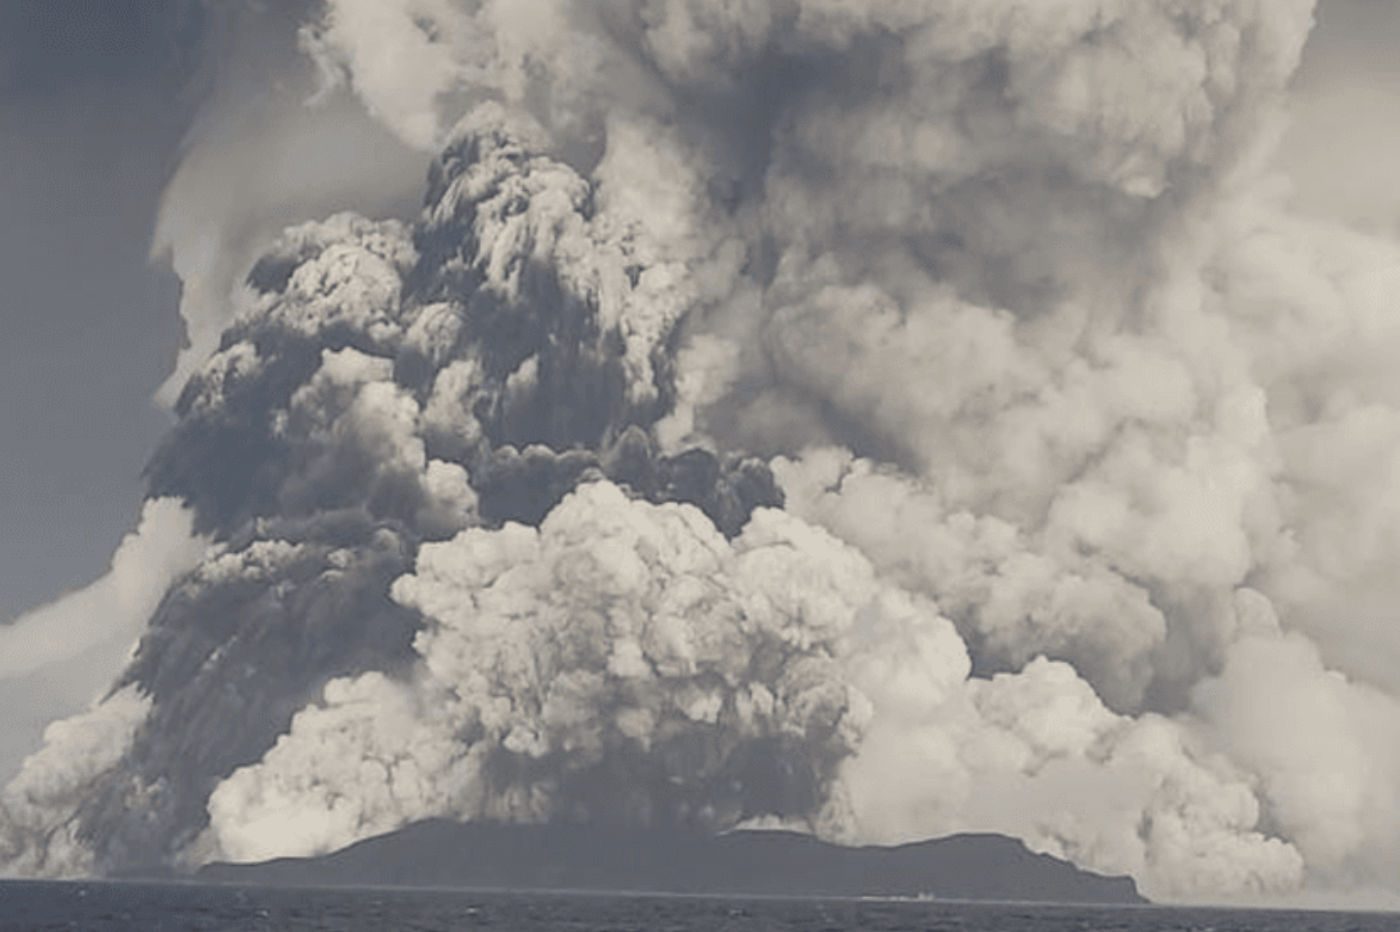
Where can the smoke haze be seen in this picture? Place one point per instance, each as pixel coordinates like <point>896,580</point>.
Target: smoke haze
<point>881,420</point>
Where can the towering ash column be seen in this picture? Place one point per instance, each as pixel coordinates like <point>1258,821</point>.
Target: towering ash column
<point>881,419</point>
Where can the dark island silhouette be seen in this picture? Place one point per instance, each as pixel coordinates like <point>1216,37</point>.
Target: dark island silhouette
<point>744,863</point>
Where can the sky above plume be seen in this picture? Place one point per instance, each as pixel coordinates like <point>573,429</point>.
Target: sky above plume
<point>94,98</point>
<point>616,402</point>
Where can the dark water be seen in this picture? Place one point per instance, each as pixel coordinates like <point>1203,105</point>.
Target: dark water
<point>99,907</point>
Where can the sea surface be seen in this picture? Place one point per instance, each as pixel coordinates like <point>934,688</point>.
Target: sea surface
<point>156,907</point>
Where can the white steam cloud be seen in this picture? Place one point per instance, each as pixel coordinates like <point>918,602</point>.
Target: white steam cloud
<point>57,779</point>
<point>257,160</point>
<point>56,658</point>
<point>113,610</point>
<point>1075,516</point>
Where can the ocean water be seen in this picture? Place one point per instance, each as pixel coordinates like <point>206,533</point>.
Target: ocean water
<point>154,907</point>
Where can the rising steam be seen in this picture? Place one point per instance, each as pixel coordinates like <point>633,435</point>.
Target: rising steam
<point>882,419</point>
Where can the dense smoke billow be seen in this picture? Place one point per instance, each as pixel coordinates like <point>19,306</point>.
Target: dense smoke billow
<point>880,419</point>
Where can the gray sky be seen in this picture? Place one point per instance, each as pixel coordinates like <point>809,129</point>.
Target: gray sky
<point>1346,128</point>
<point>93,102</point>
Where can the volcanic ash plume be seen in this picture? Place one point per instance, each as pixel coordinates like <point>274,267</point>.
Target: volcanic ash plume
<point>885,420</point>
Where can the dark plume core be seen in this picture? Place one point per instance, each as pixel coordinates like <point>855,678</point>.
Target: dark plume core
<point>548,397</point>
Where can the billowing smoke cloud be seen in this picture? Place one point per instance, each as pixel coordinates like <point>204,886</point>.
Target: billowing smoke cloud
<point>258,159</point>
<point>886,420</point>
<point>41,806</point>
<point>623,661</point>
